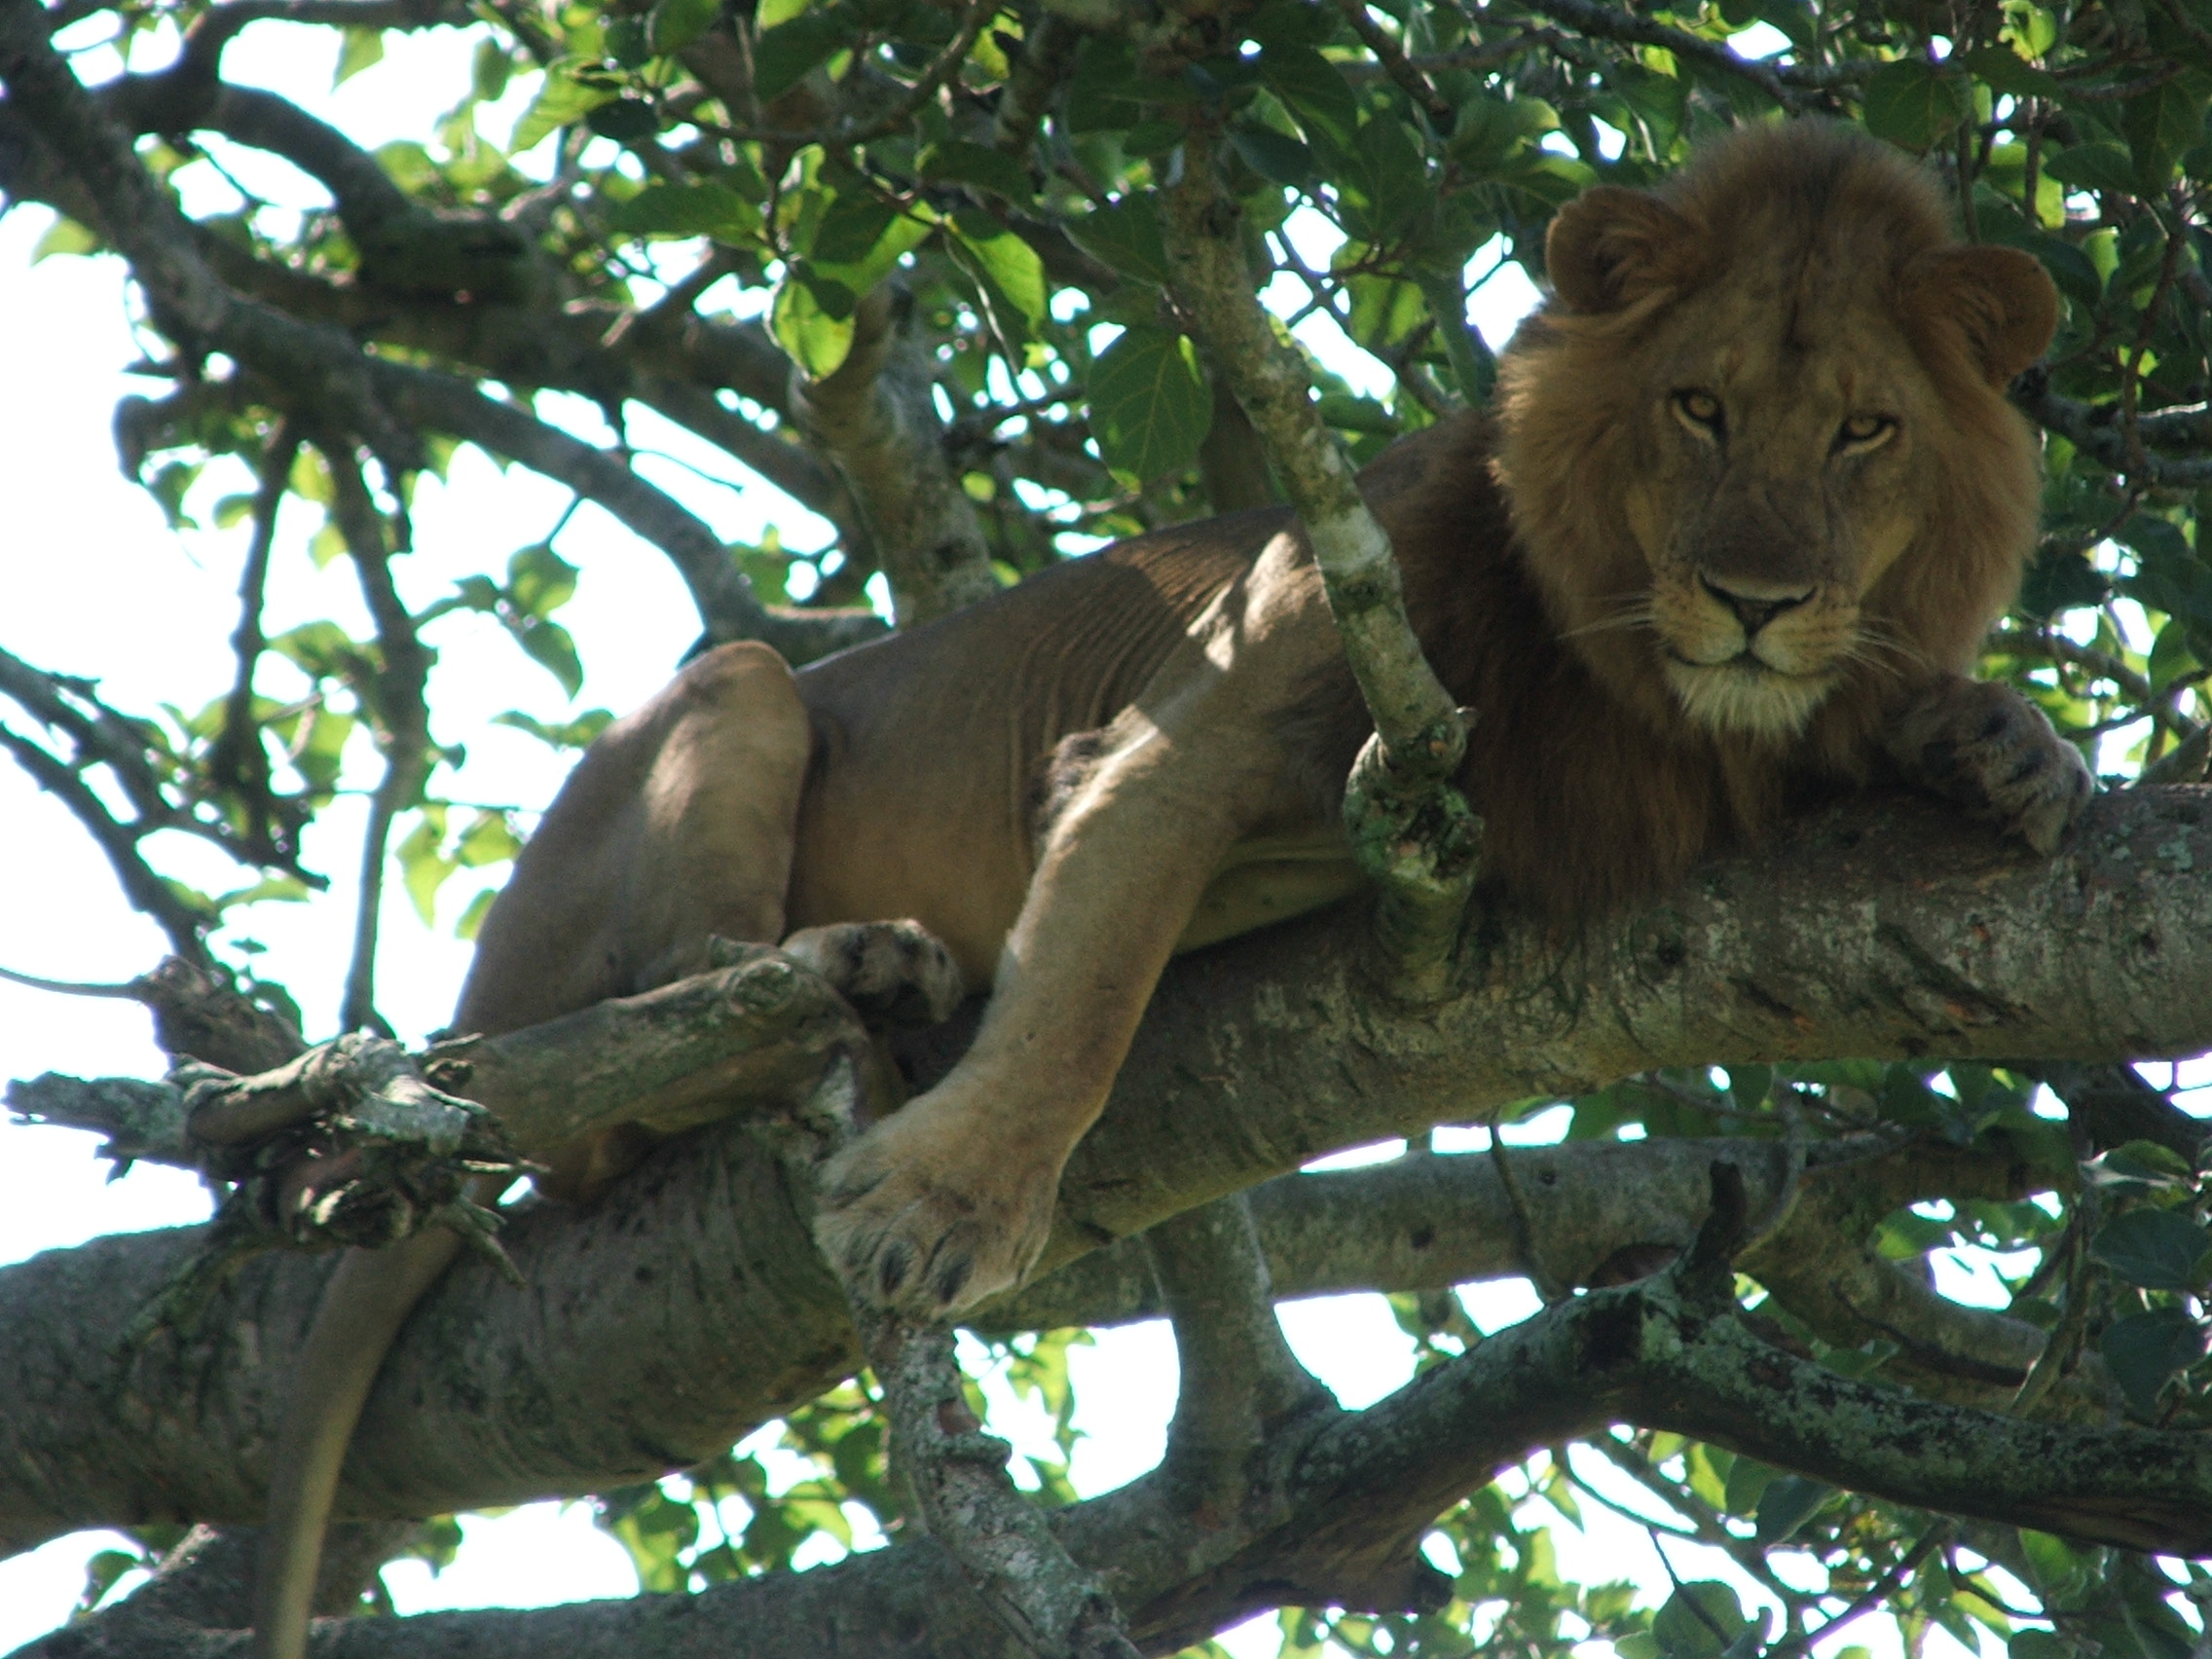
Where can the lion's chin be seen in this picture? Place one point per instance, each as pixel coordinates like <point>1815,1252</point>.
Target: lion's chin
<point>1744,697</point>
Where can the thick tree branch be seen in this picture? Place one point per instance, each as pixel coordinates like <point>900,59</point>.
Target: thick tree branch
<point>1886,929</point>
<point>324,370</point>
<point>1787,84</point>
<point>875,417</point>
<point>2096,430</point>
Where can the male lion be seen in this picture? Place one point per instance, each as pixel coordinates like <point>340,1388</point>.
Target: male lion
<point>1750,501</point>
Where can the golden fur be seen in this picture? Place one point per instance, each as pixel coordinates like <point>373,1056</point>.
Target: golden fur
<point>1752,497</point>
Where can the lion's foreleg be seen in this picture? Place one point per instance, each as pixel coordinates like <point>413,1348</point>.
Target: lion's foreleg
<point>1983,745</point>
<point>950,1200</point>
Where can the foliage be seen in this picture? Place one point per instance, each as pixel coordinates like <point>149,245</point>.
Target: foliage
<point>689,207</point>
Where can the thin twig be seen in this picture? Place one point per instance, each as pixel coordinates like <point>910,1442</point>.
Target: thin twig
<point>1877,1594</point>
<point>69,987</point>
<point>239,758</point>
<point>1397,65</point>
<point>399,705</point>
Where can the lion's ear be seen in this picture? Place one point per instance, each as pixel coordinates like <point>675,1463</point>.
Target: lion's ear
<point>2001,298</point>
<point>1609,247</point>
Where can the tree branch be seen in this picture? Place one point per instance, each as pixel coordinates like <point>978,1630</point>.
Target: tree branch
<point>1886,929</point>
<point>2089,428</point>
<point>875,417</point>
<point>725,603</point>
<point>1410,828</point>
<point>324,370</point>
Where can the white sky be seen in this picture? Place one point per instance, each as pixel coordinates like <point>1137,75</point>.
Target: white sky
<point>92,581</point>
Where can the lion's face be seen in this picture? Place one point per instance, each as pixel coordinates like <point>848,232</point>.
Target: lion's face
<point>1779,479</point>
<point>1758,444</point>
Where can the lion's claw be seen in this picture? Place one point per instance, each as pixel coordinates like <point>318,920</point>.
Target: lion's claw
<point>1990,749</point>
<point>926,1215</point>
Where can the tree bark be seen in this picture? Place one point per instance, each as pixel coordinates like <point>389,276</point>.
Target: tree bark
<point>1885,928</point>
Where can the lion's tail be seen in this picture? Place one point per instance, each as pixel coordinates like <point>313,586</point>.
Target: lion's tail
<point>363,1307</point>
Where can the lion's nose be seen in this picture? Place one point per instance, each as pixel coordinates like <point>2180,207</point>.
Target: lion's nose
<point>1754,603</point>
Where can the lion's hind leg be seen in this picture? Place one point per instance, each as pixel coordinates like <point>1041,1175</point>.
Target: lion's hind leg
<point>894,974</point>
<point>676,826</point>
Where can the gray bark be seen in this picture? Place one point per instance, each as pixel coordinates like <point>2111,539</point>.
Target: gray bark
<point>689,1304</point>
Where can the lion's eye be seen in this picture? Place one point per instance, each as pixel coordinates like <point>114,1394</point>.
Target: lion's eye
<point>1701,412</point>
<point>1862,432</point>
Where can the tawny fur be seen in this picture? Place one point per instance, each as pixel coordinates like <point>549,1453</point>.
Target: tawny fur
<point>1751,503</point>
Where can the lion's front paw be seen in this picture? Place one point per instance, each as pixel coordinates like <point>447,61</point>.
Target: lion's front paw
<point>925,1217</point>
<point>892,973</point>
<point>1989,748</point>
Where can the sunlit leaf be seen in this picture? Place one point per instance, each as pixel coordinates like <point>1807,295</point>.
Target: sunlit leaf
<point>562,100</point>
<point>358,49</point>
<point>815,340</point>
<point>1009,262</point>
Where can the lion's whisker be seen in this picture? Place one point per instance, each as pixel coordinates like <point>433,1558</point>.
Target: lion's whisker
<point>1637,614</point>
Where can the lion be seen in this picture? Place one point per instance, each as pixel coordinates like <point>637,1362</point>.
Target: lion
<point>1751,498</point>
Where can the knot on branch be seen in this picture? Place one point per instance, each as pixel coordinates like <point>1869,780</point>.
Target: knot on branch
<point>343,1146</point>
<point>1415,835</point>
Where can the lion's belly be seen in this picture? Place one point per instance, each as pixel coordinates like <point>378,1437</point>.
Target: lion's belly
<point>1271,878</point>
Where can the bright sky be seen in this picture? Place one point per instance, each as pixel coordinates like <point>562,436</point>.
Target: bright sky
<point>96,583</point>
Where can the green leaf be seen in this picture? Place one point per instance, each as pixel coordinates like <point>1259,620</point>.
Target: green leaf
<point>1787,1504</point>
<point>1124,236</point>
<point>577,733</point>
<point>2162,123</point>
<point>1911,103</point>
<point>2144,1350</point>
<point>1009,262</point>
<point>1149,405</point>
<point>1289,23</point>
<point>472,919</point>
<point>687,211</point>
<point>783,56</point>
<point>2106,168</point>
<point>1316,93</point>
<point>848,228</point>
<point>1273,156</point>
<point>956,161</point>
<point>490,839</point>
<point>1698,1621</point>
<point>101,1571</point>
<point>674,24</point>
<point>422,868</point>
<point>1747,1483</point>
<point>624,120</point>
<point>810,336</point>
<point>64,236</point>
<point>550,646</point>
<point>1103,93</point>
<point>2007,71</point>
<point>894,234</point>
<point>562,100</point>
<point>2154,1248</point>
<point>357,49</point>
<point>539,581</point>
<point>1385,185</point>
<point>489,69</point>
